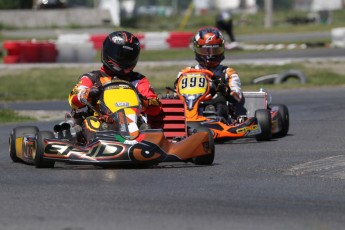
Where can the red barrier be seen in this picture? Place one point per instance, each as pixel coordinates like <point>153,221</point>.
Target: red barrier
<point>180,39</point>
<point>97,40</point>
<point>13,51</point>
<point>11,59</point>
<point>48,52</point>
<point>12,47</point>
<point>29,52</point>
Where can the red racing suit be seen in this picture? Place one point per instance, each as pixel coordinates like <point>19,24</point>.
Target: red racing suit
<point>97,78</point>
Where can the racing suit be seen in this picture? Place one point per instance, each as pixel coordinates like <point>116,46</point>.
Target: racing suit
<point>233,93</point>
<point>93,80</point>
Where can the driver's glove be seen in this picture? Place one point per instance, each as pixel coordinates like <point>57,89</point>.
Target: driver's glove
<point>223,89</point>
<point>147,102</point>
<point>83,94</point>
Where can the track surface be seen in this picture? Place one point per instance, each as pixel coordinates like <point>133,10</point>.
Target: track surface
<point>291,183</point>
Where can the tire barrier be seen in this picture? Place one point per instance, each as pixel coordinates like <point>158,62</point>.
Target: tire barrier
<point>84,47</point>
<point>281,78</point>
<point>284,76</point>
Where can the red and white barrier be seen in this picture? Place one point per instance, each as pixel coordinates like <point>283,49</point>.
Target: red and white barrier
<point>153,40</point>
<point>83,47</point>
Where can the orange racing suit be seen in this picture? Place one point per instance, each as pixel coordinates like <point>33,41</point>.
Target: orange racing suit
<point>228,75</point>
<point>234,95</point>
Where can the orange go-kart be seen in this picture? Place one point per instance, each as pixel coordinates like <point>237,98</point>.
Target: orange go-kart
<point>194,88</point>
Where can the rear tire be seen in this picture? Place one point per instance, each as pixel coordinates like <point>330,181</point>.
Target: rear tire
<point>264,119</point>
<point>19,132</point>
<point>209,158</point>
<point>285,119</point>
<point>40,162</point>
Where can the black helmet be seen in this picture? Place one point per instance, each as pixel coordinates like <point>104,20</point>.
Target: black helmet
<point>120,52</point>
<point>208,45</point>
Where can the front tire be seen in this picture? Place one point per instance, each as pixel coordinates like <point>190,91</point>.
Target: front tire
<point>264,119</point>
<point>209,158</point>
<point>19,132</point>
<point>40,162</point>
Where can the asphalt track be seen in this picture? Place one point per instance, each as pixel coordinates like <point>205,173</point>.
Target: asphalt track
<point>296,182</point>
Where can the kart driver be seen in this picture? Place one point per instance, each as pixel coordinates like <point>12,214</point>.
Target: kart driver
<point>208,46</point>
<point>120,54</point>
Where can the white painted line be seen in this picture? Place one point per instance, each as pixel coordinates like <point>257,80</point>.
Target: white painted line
<point>330,167</point>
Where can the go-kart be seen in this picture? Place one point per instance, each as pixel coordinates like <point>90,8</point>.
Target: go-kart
<point>194,88</point>
<point>123,137</point>
<point>274,116</point>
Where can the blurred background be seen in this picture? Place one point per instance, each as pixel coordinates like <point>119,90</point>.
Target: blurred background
<point>160,24</point>
<point>140,14</point>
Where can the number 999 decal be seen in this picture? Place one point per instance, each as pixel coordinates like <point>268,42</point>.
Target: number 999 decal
<point>193,84</point>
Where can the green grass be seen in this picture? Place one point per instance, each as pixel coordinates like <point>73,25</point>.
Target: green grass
<point>38,84</point>
<point>8,115</point>
<point>56,83</point>
<point>254,24</point>
<point>174,54</point>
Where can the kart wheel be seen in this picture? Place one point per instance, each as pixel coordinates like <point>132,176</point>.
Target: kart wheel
<point>264,119</point>
<point>19,132</point>
<point>285,119</point>
<point>40,162</point>
<point>206,159</point>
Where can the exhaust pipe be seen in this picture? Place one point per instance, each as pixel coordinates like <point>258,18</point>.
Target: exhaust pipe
<point>57,128</point>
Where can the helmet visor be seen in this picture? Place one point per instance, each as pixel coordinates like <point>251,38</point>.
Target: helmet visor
<point>117,67</point>
<point>209,50</point>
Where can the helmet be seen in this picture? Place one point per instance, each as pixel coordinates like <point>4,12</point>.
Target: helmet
<point>208,45</point>
<point>120,52</point>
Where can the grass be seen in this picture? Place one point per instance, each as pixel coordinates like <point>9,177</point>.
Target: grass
<point>8,115</point>
<point>56,83</point>
<point>254,24</point>
<point>38,84</point>
<point>173,54</point>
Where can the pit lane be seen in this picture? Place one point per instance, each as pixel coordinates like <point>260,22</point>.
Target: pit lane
<point>291,183</point>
